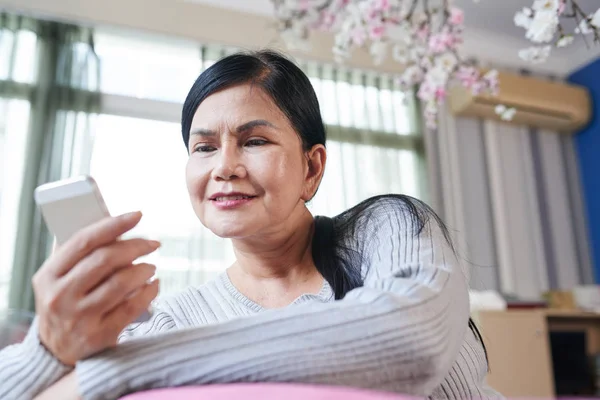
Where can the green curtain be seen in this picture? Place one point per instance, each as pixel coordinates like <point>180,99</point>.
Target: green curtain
<point>63,98</point>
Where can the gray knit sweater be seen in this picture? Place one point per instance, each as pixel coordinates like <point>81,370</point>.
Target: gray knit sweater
<point>404,331</point>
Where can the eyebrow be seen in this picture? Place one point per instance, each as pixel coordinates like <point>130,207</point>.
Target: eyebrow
<point>240,129</point>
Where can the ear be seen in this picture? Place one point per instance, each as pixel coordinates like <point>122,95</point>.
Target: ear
<point>316,159</point>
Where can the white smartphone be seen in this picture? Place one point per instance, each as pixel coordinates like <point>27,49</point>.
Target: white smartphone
<point>70,205</point>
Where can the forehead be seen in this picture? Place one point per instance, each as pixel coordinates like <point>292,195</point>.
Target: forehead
<point>236,104</point>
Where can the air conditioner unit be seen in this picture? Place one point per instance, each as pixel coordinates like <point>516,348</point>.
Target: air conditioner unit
<point>556,106</point>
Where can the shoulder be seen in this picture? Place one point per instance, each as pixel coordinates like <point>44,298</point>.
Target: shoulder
<point>397,228</point>
<point>380,214</point>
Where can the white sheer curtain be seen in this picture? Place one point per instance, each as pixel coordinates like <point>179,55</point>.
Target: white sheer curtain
<point>138,157</point>
<point>18,58</point>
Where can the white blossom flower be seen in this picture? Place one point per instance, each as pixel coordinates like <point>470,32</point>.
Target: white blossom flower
<point>509,114</point>
<point>446,61</point>
<point>584,27</point>
<point>378,51</point>
<point>411,76</point>
<point>546,5</point>
<point>505,113</point>
<point>491,79</point>
<point>535,55</point>
<point>437,76</point>
<point>400,54</point>
<point>596,19</point>
<point>543,27</point>
<point>491,75</point>
<point>565,41</point>
<point>523,18</point>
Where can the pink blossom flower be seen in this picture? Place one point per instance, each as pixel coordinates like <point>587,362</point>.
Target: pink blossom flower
<point>440,42</point>
<point>562,6</point>
<point>358,36</point>
<point>376,32</point>
<point>304,5</point>
<point>327,20</point>
<point>423,32</point>
<point>373,16</point>
<point>440,94</point>
<point>468,76</point>
<point>382,5</point>
<point>426,91</point>
<point>340,3</point>
<point>457,16</point>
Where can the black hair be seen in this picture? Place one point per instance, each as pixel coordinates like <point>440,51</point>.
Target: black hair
<point>292,92</point>
<point>279,77</point>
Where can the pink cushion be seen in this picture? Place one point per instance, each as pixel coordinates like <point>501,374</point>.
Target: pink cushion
<point>263,391</point>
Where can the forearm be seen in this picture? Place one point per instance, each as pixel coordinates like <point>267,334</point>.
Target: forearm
<point>371,339</point>
<point>64,389</point>
<point>28,368</point>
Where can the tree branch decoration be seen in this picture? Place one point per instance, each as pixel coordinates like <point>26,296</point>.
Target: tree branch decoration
<point>424,36</point>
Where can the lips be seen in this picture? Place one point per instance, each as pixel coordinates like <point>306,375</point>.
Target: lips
<point>233,196</point>
<point>231,201</point>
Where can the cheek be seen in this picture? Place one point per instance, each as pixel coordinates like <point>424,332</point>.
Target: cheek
<point>282,175</point>
<point>196,176</point>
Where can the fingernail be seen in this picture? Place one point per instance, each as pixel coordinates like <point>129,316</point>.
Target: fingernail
<point>132,215</point>
<point>154,244</point>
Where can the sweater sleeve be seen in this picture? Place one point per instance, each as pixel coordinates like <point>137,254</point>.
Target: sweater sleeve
<point>401,331</point>
<point>27,368</point>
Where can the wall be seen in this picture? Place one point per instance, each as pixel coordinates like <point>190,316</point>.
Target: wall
<point>588,148</point>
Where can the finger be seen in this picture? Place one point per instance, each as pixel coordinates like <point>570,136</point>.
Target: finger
<point>90,238</point>
<point>117,288</point>
<point>129,310</point>
<point>106,261</point>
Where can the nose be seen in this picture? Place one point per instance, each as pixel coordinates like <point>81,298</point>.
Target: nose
<point>229,163</point>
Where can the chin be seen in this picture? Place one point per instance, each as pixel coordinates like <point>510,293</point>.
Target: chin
<point>231,229</point>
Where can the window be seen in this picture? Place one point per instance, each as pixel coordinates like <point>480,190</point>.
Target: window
<point>18,53</point>
<point>18,60</point>
<point>148,67</point>
<point>138,158</point>
<point>14,118</point>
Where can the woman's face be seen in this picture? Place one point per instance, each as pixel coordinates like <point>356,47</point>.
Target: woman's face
<point>247,172</point>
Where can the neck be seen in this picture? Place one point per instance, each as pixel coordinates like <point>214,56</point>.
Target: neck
<point>277,267</point>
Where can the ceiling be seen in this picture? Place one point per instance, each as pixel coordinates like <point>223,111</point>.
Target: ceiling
<point>490,34</point>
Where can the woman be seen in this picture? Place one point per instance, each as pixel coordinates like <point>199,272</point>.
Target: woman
<point>373,298</point>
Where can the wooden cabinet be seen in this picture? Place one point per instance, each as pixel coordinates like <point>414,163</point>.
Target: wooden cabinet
<point>519,347</point>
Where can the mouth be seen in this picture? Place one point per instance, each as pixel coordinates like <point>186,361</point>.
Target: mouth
<point>220,197</point>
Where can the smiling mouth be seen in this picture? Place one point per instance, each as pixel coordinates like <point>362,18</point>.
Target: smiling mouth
<point>231,198</point>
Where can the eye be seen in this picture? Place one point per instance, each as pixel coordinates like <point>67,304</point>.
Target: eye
<point>204,148</point>
<point>256,142</point>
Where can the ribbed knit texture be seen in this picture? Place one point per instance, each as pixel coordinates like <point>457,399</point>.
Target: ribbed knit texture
<point>404,331</point>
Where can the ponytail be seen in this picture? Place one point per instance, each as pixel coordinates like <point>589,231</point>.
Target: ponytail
<point>328,256</point>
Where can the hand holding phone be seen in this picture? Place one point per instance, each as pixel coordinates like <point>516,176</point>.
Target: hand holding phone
<point>88,291</point>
